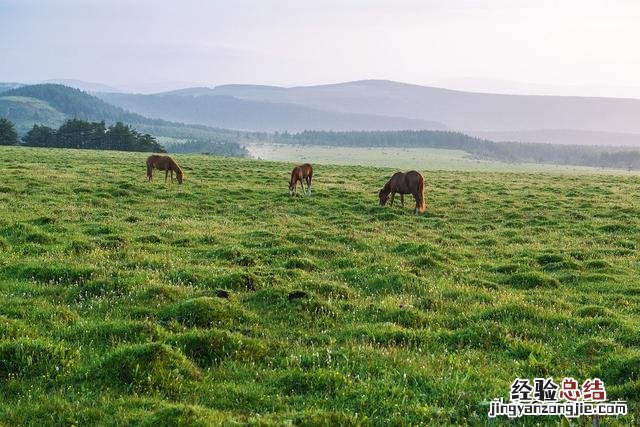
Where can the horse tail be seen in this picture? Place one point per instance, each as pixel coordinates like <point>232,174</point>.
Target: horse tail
<point>422,206</point>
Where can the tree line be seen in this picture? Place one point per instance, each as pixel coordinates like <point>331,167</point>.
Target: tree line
<point>204,146</point>
<point>82,134</point>
<point>512,152</point>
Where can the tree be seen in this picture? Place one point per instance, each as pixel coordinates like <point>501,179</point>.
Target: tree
<point>40,136</point>
<point>8,134</point>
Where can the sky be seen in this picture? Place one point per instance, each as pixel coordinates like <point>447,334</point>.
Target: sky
<point>585,47</point>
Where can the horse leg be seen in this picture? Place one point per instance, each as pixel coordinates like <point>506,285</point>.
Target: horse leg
<point>172,176</point>
<point>417,208</point>
<point>402,200</point>
<point>309,184</point>
<point>166,174</point>
<point>392,197</point>
<point>302,186</point>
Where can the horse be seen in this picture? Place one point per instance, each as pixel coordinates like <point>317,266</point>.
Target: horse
<point>411,182</point>
<point>302,173</point>
<point>165,163</point>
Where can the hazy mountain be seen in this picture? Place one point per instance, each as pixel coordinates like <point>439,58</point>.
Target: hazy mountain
<point>471,84</point>
<point>211,107</point>
<point>455,109</point>
<point>82,85</point>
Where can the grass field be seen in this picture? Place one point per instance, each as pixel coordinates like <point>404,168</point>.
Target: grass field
<point>224,300</point>
<point>408,158</point>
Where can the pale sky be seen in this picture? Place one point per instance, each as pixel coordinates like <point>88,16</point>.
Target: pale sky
<point>586,44</point>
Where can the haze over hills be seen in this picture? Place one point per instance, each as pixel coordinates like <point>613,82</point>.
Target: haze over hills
<point>457,110</point>
<point>511,87</point>
<point>210,107</point>
<point>392,105</point>
<point>82,85</point>
<point>386,105</point>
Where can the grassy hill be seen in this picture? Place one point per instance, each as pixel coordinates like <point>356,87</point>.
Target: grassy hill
<point>24,111</point>
<point>52,104</point>
<point>124,301</point>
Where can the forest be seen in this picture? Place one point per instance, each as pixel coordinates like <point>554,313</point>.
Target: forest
<point>512,152</point>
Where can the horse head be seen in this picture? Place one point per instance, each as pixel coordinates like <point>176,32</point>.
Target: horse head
<point>383,194</point>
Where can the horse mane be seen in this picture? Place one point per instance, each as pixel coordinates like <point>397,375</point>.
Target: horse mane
<point>175,166</point>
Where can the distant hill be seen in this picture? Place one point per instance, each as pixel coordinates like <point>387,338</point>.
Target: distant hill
<point>52,104</point>
<point>208,107</point>
<point>82,85</point>
<point>463,111</point>
<point>67,101</point>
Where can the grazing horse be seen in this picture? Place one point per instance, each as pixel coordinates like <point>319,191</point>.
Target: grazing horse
<point>166,164</point>
<point>404,183</point>
<point>302,174</point>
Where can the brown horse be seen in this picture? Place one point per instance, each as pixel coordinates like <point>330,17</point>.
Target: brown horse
<point>166,164</point>
<point>411,182</point>
<point>302,173</point>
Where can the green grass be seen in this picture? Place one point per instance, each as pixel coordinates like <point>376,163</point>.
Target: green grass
<point>224,300</point>
<point>407,158</point>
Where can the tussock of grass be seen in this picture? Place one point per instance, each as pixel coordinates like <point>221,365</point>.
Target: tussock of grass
<point>112,333</point>
<point>205,312</point>
<point>315,381</point>
<point>185,415</point>
<point>530,280</point>
<point>145,367</point>
<point>301,263</point>
<point>13,328</point>
<point>208,348</point>
<point>620,369</point>
<point>593,311</point>
<point>47,273</point>
<point>34,358</point>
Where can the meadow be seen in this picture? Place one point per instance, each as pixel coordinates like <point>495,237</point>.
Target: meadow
<point>225,301</point>
<point>434,159</point>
